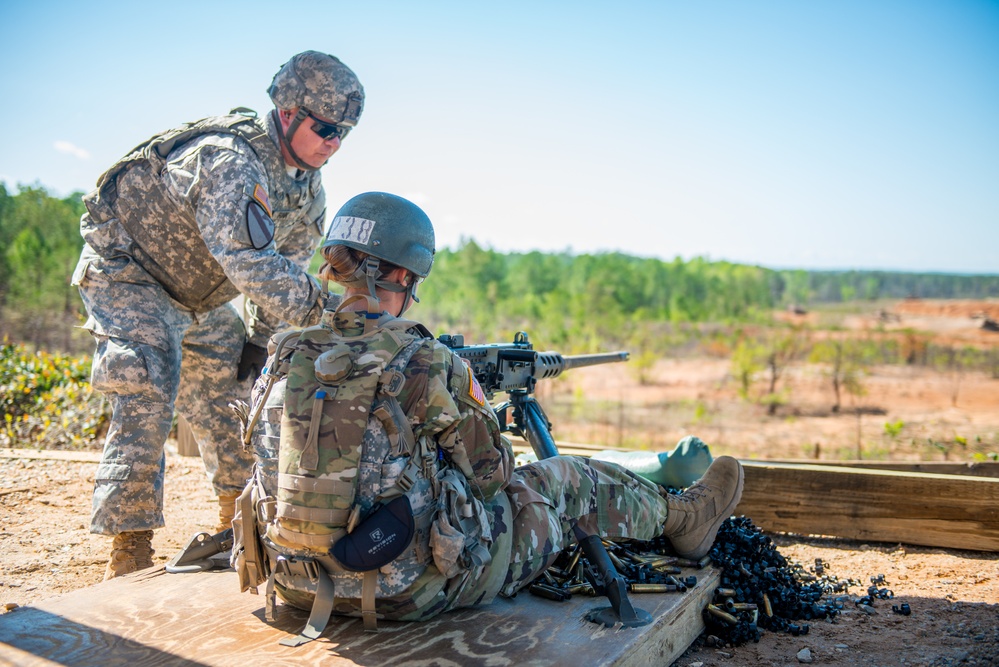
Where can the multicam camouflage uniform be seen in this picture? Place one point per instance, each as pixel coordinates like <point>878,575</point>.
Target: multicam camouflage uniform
<point>169,242</point>
<point>530,511</point>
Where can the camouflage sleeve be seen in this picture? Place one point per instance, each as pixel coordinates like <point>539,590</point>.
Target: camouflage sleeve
<point>298,242</point>
<point>473,440</point>
<point>236,227</point>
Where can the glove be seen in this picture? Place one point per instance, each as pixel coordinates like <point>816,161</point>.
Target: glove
<point>251,362</point>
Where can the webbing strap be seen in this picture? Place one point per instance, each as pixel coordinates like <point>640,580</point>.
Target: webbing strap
<point>316,514</point>
<point>310,453</point>
<point>317,542</point>
<point>330,487</point>
<point>368,612</point>
<point>322,609</point>
<point>270,602</point>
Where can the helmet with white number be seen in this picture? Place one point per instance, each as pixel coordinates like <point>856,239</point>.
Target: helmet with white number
<point>388,227</point>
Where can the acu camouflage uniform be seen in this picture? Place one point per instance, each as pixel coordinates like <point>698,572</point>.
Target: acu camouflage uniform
<point>174,231</point>
<point>529,511</point>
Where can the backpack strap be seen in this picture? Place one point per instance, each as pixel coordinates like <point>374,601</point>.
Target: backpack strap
<point>389,412</point>
<point>272,374</point>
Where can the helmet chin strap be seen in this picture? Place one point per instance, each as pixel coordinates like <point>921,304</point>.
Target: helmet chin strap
<point>366,277</point>
<point>286,138</point>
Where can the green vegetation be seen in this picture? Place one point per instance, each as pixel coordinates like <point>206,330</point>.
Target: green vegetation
<point>573,303</point>
<point>39,246</point>
<point>46,400</point>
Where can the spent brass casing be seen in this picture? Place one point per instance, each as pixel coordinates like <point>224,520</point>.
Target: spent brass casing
<point>725,592</point>
<point>573,560</point>
<point>661,561</point>
<point>767,609</point>
<point>652,588</point>
<point>723,615</point>
<point>617,561</point>
<point>581,589</point>
<point>548,592</point>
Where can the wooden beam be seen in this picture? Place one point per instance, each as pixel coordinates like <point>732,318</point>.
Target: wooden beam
<point>186,443</point>
<point>202,619</point>
<point>51,455</point>
<point>973,468</point>
<point>951,511</point>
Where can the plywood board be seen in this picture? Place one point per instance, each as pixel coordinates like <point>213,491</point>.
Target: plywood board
<point>155,618</point>
<point>951,511</point>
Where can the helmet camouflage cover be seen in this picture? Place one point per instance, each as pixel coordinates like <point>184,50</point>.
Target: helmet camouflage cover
<point>320,83</point>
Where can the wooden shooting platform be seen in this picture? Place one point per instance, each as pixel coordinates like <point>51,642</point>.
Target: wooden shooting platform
<point>155,618</point>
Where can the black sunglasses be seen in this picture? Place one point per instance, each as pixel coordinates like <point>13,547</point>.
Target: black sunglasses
<point>328,130</point>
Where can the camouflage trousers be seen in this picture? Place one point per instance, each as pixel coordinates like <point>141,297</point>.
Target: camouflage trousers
<point>548,497</point>
<point>154,356</point>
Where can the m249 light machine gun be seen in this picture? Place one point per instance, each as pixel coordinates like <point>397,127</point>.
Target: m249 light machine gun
<point>516,368</point>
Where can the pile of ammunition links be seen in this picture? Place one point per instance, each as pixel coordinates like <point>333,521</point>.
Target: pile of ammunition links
<point>759,588</point>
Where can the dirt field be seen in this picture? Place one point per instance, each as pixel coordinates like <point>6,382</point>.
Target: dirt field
<point>954,595</point>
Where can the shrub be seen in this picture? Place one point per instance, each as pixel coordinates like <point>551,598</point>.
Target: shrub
<point>47,402</point>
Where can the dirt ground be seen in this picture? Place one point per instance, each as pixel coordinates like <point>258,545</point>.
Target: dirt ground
<point>46,548</point>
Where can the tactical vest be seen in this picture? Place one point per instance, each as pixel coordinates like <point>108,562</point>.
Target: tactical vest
<point>163,234</point>
<point>349,472</point>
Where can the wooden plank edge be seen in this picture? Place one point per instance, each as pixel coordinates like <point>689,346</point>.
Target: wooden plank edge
<point>972,468</point>
<point>673,634</point>
<point>51,455</point>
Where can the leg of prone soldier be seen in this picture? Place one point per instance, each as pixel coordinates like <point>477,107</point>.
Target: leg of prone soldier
<point>549,496</point>
<point>211,352</point>
<point>137,367</point>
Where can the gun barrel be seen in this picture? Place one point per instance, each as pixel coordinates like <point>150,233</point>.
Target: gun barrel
<point>552,364</point>
<point>580,360</point>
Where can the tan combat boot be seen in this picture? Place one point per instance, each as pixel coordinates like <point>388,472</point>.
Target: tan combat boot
<point>695,515</point>
<point>227,510</point>
<point>130,552</point>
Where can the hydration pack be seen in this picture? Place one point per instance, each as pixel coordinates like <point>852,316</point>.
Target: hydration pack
<point>347,506</point>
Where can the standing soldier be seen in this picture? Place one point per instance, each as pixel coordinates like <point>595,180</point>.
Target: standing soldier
<point>175,231</point>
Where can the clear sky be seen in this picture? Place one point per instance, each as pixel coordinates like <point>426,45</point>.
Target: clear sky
<point>815,134</point>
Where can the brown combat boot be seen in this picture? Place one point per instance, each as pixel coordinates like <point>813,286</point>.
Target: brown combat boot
<point>227,510</point>
<point>695,515</point>
<point>130,552</point>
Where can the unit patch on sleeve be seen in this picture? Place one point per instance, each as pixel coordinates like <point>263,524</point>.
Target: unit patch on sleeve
<point>259,225</point>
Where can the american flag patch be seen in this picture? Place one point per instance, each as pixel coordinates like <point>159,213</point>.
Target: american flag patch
<point>474,390</point>
<point>261,196</point>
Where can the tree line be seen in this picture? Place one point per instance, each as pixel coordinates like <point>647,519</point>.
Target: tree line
<point>576,302</point>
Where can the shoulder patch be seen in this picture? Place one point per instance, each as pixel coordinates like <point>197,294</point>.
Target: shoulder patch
<point>259,225</point>
<point>260,194</point>
<point>474,389</point>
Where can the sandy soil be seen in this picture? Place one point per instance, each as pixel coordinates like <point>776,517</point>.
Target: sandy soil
<point>954,595</point>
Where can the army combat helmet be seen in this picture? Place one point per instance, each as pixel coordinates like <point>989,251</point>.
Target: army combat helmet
<point>387,228</point>
<point>318,84</point>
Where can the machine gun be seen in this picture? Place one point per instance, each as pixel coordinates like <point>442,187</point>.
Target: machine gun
<point>516,368</point>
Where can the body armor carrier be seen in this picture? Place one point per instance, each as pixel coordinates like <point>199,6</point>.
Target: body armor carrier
<point>163,232</point>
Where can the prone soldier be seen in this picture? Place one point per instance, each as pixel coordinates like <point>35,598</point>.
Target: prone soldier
<point>384,487</point>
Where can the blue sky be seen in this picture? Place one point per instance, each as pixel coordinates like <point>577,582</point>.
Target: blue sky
<point>815,134</point>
